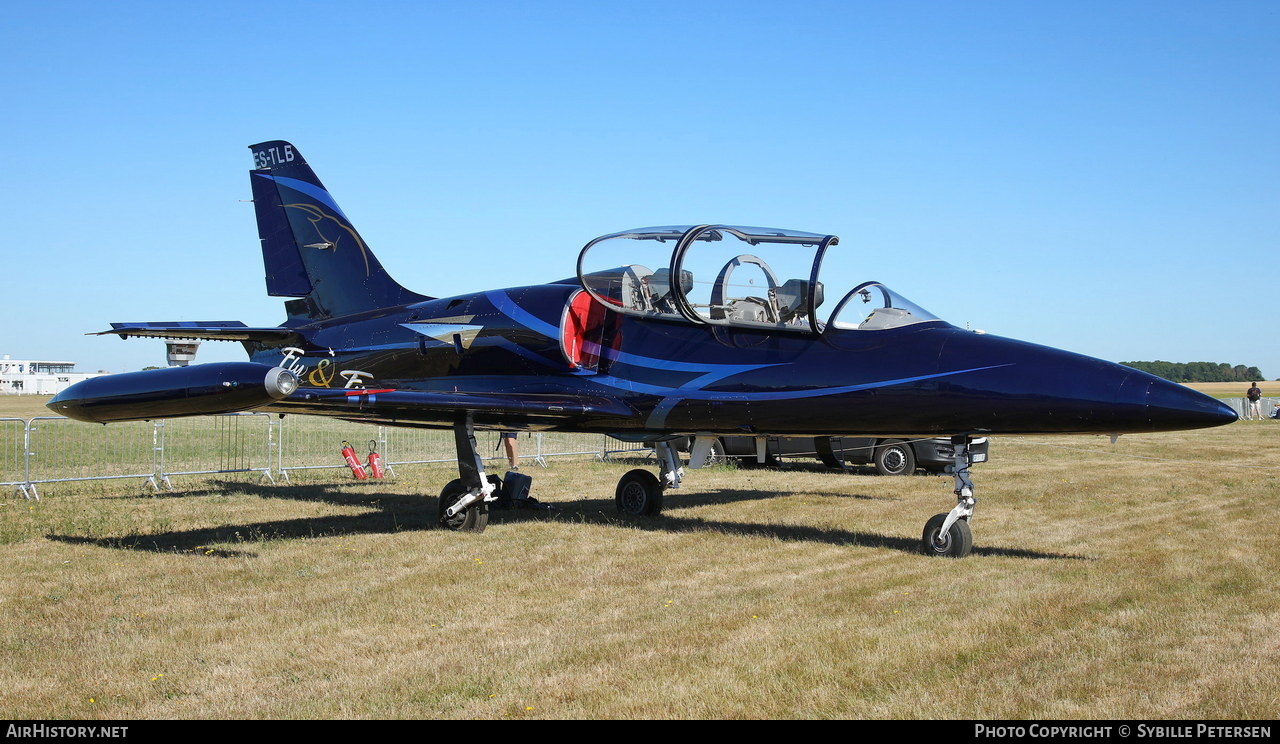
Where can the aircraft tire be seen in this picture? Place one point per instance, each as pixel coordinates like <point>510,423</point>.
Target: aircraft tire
<point>895,457</point>
<point>474,519</point>
<point>957,544</point>
<point>639,494</point>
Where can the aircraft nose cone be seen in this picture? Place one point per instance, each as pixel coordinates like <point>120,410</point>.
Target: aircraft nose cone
<point>68,403</point>
<point>1173,406</point>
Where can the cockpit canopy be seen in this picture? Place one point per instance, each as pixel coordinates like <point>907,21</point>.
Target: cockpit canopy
<point>726,275</point>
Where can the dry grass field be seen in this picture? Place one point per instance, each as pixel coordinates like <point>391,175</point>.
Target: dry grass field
<point>1234,389</point>
<point>24,406</point>
<point>1133,580</point>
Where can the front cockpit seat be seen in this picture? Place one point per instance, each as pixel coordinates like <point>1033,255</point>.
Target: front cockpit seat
<point>793,299</point>
<point>633,281</point>
<point>659,284</point>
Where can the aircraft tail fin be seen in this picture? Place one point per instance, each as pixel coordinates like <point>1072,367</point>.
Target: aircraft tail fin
<point>309,248</point>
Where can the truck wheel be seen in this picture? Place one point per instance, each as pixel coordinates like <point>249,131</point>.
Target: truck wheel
<point>715,456</point>
<point>895,457</point>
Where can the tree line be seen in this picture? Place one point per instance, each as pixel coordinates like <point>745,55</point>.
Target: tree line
<point>1199,371</point>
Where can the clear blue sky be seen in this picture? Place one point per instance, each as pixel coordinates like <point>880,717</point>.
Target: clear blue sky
<point>1098,176</point>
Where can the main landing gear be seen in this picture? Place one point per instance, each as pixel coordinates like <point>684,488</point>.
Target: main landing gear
<point>949,534</point>
<point>464,502</point>
<point>639,492</point>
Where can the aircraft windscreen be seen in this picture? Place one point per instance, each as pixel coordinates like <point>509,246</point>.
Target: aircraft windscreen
<point>871,306</point>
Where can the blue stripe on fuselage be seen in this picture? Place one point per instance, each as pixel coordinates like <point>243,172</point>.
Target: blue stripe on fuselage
<point>657,418</point>
<point>692,389</point>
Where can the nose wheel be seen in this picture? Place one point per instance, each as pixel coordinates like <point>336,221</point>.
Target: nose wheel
<point>956,542</point>
<point>948,535</point>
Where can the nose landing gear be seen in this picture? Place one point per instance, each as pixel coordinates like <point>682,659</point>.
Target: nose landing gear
<point>949,534</point>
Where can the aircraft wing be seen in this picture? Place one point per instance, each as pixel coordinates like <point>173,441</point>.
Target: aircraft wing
<point>386,403</point>
<point>222,387</point>
<point>214,330</point>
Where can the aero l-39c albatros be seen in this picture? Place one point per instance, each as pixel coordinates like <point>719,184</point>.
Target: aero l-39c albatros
<point>665,332</point>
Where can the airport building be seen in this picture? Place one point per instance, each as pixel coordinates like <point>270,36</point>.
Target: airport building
<point>35,377</point>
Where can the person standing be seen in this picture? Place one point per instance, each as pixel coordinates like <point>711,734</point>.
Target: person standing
<point>1254,396</point>
<point>512,449</point>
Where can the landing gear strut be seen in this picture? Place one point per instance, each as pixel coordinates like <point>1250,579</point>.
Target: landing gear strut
<point>464,502</point>
<point>949,534</point>
<point>639,492</point>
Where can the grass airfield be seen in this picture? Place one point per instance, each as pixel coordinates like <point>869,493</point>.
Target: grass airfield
<point>1133,580</point>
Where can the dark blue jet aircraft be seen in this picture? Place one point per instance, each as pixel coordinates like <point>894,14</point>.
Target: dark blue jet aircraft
<point>702,330</point>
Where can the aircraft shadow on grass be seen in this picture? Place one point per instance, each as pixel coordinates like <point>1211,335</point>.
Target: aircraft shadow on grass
<point>397,512</point>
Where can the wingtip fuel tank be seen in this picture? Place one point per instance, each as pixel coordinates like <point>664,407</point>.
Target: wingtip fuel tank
<point>178,391</point>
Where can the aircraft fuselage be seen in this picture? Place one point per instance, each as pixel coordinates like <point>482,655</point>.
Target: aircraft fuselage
<point>926,379</point>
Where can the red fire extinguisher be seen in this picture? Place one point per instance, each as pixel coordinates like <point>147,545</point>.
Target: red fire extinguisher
<point>375,460</point>
<point>353,462</point>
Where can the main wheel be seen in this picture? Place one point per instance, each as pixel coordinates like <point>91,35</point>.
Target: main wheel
<point>955,544</point>
<point>474,519</point>
<point>639,494</point>
<point>895,457</point>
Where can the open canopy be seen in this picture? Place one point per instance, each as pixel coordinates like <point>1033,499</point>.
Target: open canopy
<point>746,277</point>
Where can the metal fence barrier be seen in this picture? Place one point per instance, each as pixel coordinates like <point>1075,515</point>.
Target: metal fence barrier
<point>51,449</point>
<point>313,443</point>
<point>559,444</point>
<point>1240,405</point>
<point>231,443</point>
<point>61,450</point>
<point>612,447</point>
<point>13,455</point>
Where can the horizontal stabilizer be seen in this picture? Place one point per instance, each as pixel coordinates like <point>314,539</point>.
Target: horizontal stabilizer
<point>214,330</point>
